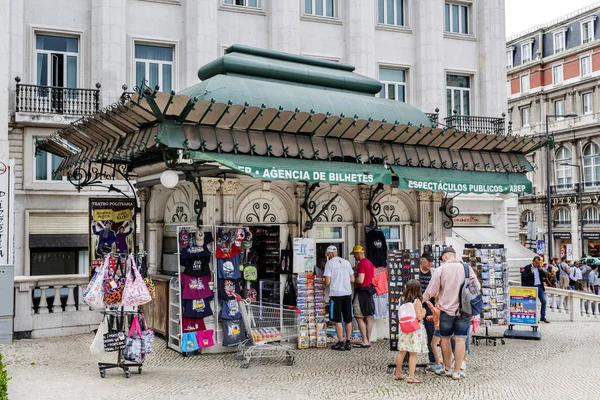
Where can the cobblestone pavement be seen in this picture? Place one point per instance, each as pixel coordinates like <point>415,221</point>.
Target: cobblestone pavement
<point>560,366</point>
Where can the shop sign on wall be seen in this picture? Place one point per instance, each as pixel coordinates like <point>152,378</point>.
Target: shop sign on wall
<point>6,212</point>
<point>305,251</point>
<point>472,219</point>
<point>591,235</point>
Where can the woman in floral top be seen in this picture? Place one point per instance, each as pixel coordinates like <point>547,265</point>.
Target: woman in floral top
<point>414,342</point>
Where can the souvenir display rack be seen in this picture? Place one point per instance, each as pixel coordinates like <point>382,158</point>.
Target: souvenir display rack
<point>122,324</point>
<point>489,263</point>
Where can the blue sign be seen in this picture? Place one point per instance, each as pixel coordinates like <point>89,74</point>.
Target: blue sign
<point>541,247</point>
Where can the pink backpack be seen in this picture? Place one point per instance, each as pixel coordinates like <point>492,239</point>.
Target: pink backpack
<point>408,318</point>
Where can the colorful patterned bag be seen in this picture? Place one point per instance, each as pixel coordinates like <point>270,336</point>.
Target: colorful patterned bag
<point>150,286</point>
<point>134,346</point>
<point>113,287</point>
<point>135,292</point>
<point>94,293</point>
<point>147,337</point>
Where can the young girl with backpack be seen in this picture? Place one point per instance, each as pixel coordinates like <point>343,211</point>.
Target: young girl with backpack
<point>412,335</point>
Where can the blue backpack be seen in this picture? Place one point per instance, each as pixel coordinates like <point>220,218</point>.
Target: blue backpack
<point>471,300</point>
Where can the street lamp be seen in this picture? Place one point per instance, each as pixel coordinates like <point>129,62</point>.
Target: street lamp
<point>580,179</point>
<point>549,182</point>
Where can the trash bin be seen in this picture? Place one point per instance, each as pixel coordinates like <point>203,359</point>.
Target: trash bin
<point>7,295</point>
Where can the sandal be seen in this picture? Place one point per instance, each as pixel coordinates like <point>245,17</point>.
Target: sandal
<point>398,378</point>
<point>414,380</point>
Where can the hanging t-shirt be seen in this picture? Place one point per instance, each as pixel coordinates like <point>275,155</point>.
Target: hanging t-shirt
<point>229,268</point>
<point>228,245</point>
<point>197,266</point>
<point>194,287</point>
<point>198,244</point>
<point>192,324</point>
<point>377,248</point>
<point>199,308</point>
<point>228,288</point>
<point>233,332</point>
<point>230,310</point>
<point>380,280</point>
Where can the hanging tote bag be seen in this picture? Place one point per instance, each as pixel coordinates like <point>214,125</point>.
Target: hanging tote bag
<point>135,292</point>
<point>97,346</point>
<point>189,342</point>
<point>408,318</point>
<point>94,293</point>
<point>114,340</point>
<point>133,345</point>
<point>147,337</point>
<point>114,285</point>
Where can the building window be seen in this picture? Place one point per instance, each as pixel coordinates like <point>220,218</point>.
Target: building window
<point>559,109</point>
<point>56,60</point>
<point>564,179</point>
<point>591,165</point>
<point>587,31</point>
<point>524,83</point>
<point>525,117</point>
<point>586,100</point>
<point>563,217</point>
<point>242,3</point>
<point>154,65</point>
<point>61,261</point>
<point>585,65</point>
<point>591,216</point>
<point>526,52</point>
<point>559,41</point>
<point>390,12</point>
<point>45,165</point>
<point>526,218</point>
<point>393,236</point>
<point>393,84</point>
<point>456,18</point>
<point>509,59</point>
<point>321,8</point>
<point>458,94</point>
<point>557,74</point>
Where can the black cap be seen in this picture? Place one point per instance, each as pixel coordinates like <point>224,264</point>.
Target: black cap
<point>427,255</point>
<point>447,250</point>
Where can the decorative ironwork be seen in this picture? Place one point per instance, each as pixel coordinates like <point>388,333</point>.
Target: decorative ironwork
<point>179,215</point>
<point>449,210</point>
<point>266,217</point>
<point>56,100</point>
<point>199,204</point>
<point>468,123</point>
<point>310,207</point>
<point>335,216</point>
<point>374,208</point>
<point>389,214</point>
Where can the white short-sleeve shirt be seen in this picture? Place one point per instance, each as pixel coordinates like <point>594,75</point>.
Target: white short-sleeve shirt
<point>339,270</point>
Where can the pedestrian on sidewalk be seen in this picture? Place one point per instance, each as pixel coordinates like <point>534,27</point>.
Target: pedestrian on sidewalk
<point>575,277</point>
<point>585,277</point>
<point>363,303</point>
<point>564,270</point>
<point>435,341</point>
<point>533,275</point>
<point>339,277</point>
<point>414,342</point>
<point>594,279</point>
<point>424,278</point>
<point>447,281</point>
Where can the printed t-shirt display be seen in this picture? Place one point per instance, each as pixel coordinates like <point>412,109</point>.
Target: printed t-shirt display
<point>230,310</point>
<point>380,280</point>
<point>229,268</point>
<point>228,243</point>
<point>365,267</point>
<point>228,288</point>
<point>377,248</point>
<point>196,266</point>
<point>199,308</point>
<point>197,243</point>
<point>192,324</point>
<point>233,332</point>
<point>339,270</point>
<point>193,287</point>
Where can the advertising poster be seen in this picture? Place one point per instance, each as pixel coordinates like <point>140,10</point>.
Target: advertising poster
<point>523,306</point>
<point>541,247</point>
<point>304,255</point>
<point>112,227</point>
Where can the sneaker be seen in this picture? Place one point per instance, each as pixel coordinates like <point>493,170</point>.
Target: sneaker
<point>435,368</point>
<point>457,376</point>
<point>348,346</point>
<point>338,346</point>
<point>443,372</point>
<point>463,366</point>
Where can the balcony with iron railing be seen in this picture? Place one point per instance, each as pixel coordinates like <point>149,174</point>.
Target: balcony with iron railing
<point>58,104</point>
<point>488,125</point>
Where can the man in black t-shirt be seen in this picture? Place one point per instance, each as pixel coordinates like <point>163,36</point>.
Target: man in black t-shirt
<point>424,278</point>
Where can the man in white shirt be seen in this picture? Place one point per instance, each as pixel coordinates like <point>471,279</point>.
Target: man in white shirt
<point>339,277</point>
<point>576,276</point>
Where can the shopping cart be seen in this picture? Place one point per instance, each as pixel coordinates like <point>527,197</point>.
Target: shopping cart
<point>267,326</point>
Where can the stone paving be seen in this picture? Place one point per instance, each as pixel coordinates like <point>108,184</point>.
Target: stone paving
<point>565,364</point>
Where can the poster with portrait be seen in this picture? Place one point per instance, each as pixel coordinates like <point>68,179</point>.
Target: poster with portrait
<point>112,228</point>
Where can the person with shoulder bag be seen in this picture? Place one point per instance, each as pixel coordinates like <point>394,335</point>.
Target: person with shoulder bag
<point>364,290</point>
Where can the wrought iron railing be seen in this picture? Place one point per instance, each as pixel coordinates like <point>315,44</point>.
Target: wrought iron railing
<point>56,100</point>
<point>489,125</point>
<point>434,117</point>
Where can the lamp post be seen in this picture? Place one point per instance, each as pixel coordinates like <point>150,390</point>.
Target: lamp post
<point>549,182</point>
<point>580,190</point>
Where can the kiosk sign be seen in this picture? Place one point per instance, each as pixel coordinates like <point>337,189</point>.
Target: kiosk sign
<point>523,306</point>
<point>304,255</point>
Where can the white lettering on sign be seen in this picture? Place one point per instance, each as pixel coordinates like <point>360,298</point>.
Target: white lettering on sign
<point>313,176</point>
<point>464,187</point>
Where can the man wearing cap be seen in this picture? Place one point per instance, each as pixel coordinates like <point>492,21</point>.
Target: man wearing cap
<point>424,279</point>
<point>363,304</point>
<point>339,277</point>
<point>446,282</point>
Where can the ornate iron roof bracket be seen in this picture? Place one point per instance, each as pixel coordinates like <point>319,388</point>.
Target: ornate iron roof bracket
<point>310,207</point>
<point>199,204</point>
<point>450,211</point>
<point>374,208</point>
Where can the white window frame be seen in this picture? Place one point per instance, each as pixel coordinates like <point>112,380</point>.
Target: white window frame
<point>509,59</point>
<point>509,87</point>
<point>244,4</point>
<point>159,62</point>
<point>556,68</point>
<point>556,102</point>
<point>396,85</point>
<point>460,19</point>
<point>527,79</point>
<point>525,117</point>
<point>48,166</point>
<point>589,22</point>
<point>562,36</point>
<point>593,161</point>
<point>566,217</point>
<point>588,58</point>
<point>527,48</point>
<point>385,9</point>
<point>591,216</point>
<point>590,106</point>
<point>461,90</point>
<point>314,3</point>
<point>564,170</point>
<point>401,240</point>
<point>49,57</point>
